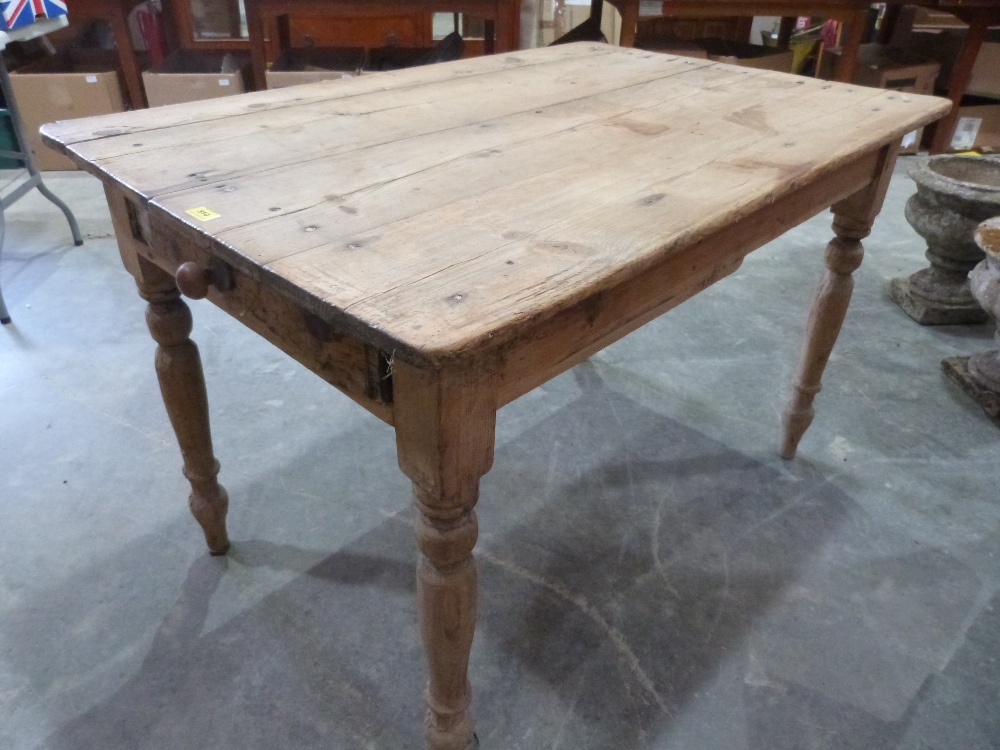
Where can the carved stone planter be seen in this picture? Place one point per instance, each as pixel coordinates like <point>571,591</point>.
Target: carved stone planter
<point>954,194</point>
<point>979,376</point>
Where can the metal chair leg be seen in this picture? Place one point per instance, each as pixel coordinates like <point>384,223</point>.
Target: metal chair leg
<point>4,315</point>
<point>73,226</point>
<point>34,177</point>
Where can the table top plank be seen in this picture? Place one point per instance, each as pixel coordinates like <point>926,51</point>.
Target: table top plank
<point>485,202</point>
<point>545,243</point>
<point>388,182</point>
<point>103,127</point>
<point>579,157</point>
<point>259,142</point>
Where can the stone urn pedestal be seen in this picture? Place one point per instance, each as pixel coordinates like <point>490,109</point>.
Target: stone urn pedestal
<point>979,376</point>
<point>954,194</point>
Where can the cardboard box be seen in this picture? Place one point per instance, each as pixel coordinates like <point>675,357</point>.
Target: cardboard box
<point>187,76</point>
<point>75,83</point>
<point>986,74</point>
<point>297,66</point>
<point>883,67</point>
<point>748,55</point>
<point>978,128</point>
<point>942,41</point>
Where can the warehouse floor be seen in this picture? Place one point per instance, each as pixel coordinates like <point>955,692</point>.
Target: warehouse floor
<point>652,574</point>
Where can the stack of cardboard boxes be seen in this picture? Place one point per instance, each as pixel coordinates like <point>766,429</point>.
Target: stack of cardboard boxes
<point>74,83</point>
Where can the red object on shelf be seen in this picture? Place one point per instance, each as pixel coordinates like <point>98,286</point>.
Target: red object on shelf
<point>153,34</point>
<point>830,34</point>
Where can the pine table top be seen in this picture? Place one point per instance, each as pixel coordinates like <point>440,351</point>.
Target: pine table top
<point>445,207</point>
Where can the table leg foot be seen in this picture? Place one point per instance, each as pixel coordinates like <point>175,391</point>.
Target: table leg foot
<point>182,384</point>
<point>829,307</point>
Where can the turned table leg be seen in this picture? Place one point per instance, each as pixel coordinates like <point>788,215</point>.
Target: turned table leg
<point>843,257</point>
<point>178,368</point>
<point>182,383</point>
<point>444,435</point>
<point>852,222</point>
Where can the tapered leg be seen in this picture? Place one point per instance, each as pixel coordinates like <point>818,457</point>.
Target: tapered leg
<point>852,221</point>
<point>843,257</point>
<point>182,383</point>
<point>444,435</point>
<point>4,315</point>
<point>446,598</point>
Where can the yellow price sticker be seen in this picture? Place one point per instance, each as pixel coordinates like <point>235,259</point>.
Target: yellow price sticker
<point>202,214</point>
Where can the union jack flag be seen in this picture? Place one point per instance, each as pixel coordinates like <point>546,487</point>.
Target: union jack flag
<point>18,13</point>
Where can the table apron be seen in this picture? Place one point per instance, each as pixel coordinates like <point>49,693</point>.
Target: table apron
<point>357,369</point>
<point>362,371</point>
<point>571,336</point>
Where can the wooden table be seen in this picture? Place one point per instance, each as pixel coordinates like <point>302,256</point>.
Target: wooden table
<point>854,14</point>
<point>436,242</point>
<point>265,17</point>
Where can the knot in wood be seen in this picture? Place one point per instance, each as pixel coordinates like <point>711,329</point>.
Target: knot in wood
<point>843,255</point>
<point>447,543</point>
<point>169,322</point>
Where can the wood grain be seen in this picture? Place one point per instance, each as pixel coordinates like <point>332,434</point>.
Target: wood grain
<point>448,212</point>
<point>63,134</point>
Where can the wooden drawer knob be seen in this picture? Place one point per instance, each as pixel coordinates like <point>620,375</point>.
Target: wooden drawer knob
<point>193,280</point>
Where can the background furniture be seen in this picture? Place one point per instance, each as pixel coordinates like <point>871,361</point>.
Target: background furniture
<point>502,18</point>
<point>978,14</point>
<point>23,154</point>
<point>115,13</point>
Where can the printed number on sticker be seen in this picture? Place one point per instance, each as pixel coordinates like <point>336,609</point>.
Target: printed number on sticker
<point>202,214</point>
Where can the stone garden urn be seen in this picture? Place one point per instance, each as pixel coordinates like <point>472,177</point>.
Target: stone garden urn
<point>979,376</point>
<point>954,194</point>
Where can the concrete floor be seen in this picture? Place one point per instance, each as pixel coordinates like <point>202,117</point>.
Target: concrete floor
<point>652,574</point>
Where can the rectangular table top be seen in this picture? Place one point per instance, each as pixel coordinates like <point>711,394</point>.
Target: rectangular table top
<point>446,206</point>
